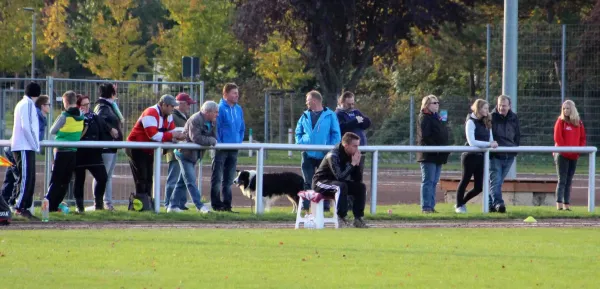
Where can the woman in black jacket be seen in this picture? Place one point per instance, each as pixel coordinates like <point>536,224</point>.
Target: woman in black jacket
<point>90,158</point>
<point>431,131</point>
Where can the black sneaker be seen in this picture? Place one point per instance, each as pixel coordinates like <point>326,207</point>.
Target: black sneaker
<point>360,223</point>
<point>228,210</point>
<point>492,209</point>
<point>27,214</point>
<point>343,222</point>
<point>501,208</point>
<point>185,208</point>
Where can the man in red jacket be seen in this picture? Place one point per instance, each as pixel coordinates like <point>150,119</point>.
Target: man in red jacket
<point>155,124</point>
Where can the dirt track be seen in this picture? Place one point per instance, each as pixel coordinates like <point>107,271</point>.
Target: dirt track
<point>290,225</point>
<point>394,185</point>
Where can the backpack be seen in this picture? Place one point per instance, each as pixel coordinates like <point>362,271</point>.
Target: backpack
<point>140,202</point>
<point>5,213</point>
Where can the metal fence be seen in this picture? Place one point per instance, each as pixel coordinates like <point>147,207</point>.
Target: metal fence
<point>132,98</point>
<point>261,148</point>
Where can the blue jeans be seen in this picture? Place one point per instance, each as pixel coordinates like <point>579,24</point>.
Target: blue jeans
<point>430,176</point>
<point>499,168</point>
<point>223,174</point>
<point>186,183</point>
<point>173,176</point>
<point>309,166</point>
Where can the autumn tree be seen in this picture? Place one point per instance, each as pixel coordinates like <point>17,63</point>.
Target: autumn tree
<point>340,38</point>
<point>15,36</point>
<point>118,56</point>
<point>55,29</point>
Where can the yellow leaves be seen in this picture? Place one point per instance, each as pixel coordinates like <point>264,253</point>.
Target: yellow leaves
<point>55,29</point>
<point>279,63</point>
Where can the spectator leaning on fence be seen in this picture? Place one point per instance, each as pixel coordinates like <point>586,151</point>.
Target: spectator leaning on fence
<point>107,109</point>
<point>568,131</point>
<point>199,129</point>
<point>90,159</point>
<point>9,191</point>
<point>478,130</point>
<point>506,131</point>
<point>431,131</point>
<point>230,129</point>
<point>180,116</point>
<point>155,124</point>
<point>25,142</point>
<point>318,125</point>
<point>67,128</point>
<point>340,171</point>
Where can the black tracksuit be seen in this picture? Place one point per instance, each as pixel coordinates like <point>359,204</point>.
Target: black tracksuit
<point>337,173</point>
<point>472,166</point>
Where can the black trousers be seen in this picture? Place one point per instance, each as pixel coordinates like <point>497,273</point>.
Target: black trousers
<point>25,181</point>
<point>142,169</point>
<point>355,189</point>
<point>472,166</point>
<point>99,174</point>
<point>62,172</point>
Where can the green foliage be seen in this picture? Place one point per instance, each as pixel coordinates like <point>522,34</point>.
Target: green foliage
<point>15,35</point>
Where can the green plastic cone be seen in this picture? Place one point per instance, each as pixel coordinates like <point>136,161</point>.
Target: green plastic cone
<point>530,219</point>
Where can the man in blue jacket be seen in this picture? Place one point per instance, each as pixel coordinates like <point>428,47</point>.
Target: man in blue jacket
<point>352,120</point>
<point>230,129</point>
<point>318,125</point>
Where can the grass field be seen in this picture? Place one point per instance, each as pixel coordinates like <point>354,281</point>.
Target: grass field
<point>350,258</point>
<point>283,214</point>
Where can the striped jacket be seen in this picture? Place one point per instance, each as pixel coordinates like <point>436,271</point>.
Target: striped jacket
<point>68,127</point>
<point>152,126</point>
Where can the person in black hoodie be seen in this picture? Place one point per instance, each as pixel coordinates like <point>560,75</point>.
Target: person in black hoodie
<point>478,130</point>
<point>340,171</point>
<point>107,109</point>
<point>90,158</point>
<point>431,131</point>
<point>506,131</point>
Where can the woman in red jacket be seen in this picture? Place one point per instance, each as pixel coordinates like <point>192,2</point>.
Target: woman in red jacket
<point>568,131</point>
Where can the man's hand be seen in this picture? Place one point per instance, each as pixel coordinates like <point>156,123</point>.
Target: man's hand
<point>356,158</point>
<point>494,145</point>
<point>114,133</point>
<point>178,135</point>
<point>360,119</point>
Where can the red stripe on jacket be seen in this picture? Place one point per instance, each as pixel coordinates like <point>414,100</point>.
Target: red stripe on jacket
<point>152,126</point>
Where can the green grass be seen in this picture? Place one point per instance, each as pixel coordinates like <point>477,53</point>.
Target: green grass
<point>283,214</point>
<point>348,258</point>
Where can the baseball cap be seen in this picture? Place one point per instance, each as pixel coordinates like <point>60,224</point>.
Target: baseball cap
<point>168,100</point>
<point>182,96</point>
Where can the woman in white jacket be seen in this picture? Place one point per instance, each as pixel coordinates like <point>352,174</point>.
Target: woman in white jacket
<point>478,129</point>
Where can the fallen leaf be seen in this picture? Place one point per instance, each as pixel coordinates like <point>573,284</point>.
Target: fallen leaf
<point>280,243</point>
<point>503,267</point>
<point>303,259</point>
<point>408,274</point>
<point>226,277</point>
<point>344,256</point>
<point>379,273</point>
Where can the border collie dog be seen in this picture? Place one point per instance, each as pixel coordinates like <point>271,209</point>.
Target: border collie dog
<point>275,185</point>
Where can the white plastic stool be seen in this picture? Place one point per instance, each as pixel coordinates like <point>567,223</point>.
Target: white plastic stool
<point>316,210</point>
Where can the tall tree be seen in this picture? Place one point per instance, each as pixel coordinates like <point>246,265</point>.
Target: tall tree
<point>118,56</point>
<point>15,36</point>
<point>340,38</point>
<point>55,28</point>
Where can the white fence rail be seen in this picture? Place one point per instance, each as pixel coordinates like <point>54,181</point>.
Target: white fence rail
<point>261,147</point>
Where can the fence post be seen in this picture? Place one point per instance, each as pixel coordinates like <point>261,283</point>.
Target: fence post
<point>563,76</point>
<point>250,141</point>
<point>290,141</point>
<point>486,181</point>
<point>592,182</point>
<point>156,180</point>
<point>412,127</point>
<point>374,164</point>
<point>259,181</point>
<point>48,157</point>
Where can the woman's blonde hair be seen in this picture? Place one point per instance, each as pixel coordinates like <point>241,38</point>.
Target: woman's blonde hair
<point>427,100</point>
<point>573,118</point>
<point>476,109</point>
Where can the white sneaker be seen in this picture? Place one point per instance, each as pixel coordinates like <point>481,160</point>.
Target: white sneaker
<point>460,210</point>
<point>204,210</point>
<point>174,210</point>
<point>90,209</point>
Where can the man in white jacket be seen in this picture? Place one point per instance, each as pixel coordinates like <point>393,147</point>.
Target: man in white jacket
<point>24,145</point>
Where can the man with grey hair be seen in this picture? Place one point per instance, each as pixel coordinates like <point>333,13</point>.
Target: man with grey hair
<point>155,124</point>
<point>200,129</point>
<point>180,116</point>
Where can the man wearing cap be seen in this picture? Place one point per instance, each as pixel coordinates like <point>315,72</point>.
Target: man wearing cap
<point>155,124</point>
<point>180,117</point>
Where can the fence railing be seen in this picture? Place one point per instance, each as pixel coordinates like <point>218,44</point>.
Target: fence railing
<point>261,147</point>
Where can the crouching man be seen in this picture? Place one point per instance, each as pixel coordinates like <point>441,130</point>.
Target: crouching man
<point>340,171</point>
<point>199,129</point>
